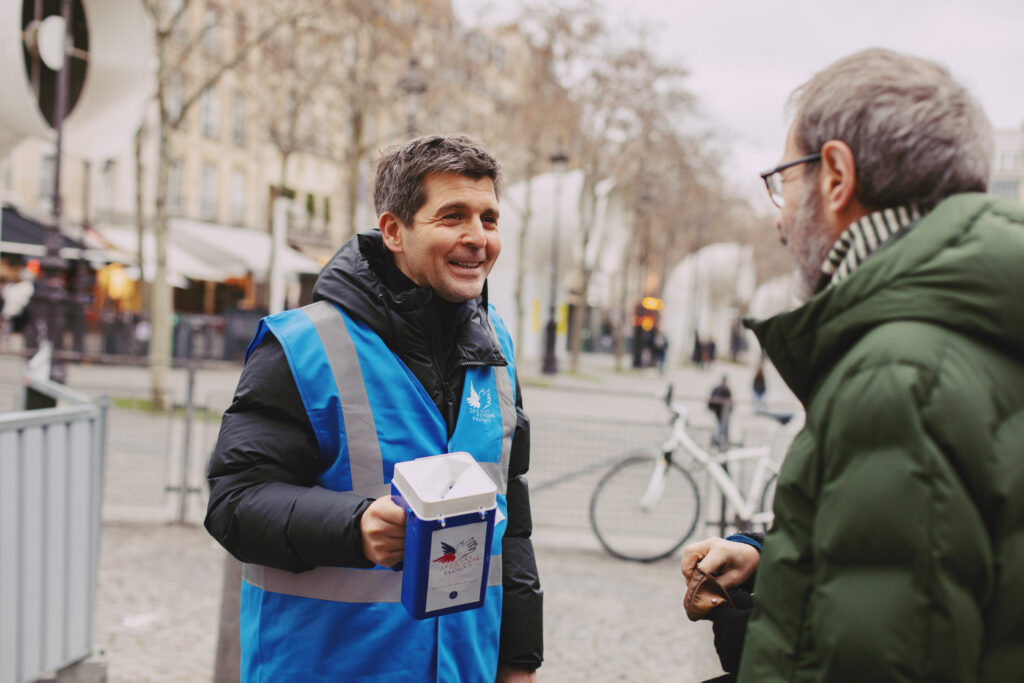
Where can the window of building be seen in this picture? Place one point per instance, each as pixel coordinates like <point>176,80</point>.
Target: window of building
<point>209,112</point>
<point>1005,188</point>
<point>236,197</point>
<point>238,119</point>
<point>211,38</point>
<point>498,56</point>
<point>174,185</point>
<point>47,169</point>
<point>208,190</point>
<point>108,190</point>
<point>175,93</point>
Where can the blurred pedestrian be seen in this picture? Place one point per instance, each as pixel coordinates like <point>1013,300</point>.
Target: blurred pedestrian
<point>737,342</point>
<point>720,403</point>
<point>398,357</point>
<point>759,387</point>
<point>16,297</point>
<point>895,552</point>
<point>660,349</point>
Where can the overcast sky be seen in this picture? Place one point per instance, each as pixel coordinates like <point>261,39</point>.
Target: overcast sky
<point>746,56</point>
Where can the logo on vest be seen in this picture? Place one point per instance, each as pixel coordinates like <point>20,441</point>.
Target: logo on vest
<point>480,404</point>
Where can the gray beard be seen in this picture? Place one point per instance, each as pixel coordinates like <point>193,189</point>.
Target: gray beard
<point>809,244</point>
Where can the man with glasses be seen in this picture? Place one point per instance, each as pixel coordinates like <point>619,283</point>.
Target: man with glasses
<point>897,549</point>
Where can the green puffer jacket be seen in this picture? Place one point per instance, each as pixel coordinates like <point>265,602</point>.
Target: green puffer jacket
<point>897,552</point>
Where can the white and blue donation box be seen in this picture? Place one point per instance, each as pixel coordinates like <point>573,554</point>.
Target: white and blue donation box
<point>450,505</point>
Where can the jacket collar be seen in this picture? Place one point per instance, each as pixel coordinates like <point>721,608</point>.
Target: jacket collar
<point>955,269</point>
<point>360,278</point>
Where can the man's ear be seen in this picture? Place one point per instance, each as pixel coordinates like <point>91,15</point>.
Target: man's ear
<point>838,176</point>
<point>838,180</point>
<point>391,229</point>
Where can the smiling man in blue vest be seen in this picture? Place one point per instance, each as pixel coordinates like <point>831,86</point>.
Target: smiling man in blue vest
<point>388,364</point>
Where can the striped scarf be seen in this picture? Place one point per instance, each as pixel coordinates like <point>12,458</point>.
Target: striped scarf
<point>864,237</point>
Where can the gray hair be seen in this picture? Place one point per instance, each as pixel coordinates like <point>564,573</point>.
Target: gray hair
<point>916,134</point>
<point>398,187</point>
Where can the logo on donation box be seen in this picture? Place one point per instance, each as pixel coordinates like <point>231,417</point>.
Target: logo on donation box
<point>480,404</point>
<point>456,554</point>
<point>455,575</point>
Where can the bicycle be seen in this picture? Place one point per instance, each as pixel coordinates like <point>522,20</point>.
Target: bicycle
<point>647,505</point>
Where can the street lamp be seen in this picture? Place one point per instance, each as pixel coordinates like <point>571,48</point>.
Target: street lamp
<point>642,322</point>
<point>413,84</point>
<point>53,42</point>
<point>559,160</point>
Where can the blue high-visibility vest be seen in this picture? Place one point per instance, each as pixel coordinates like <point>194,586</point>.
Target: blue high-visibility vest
<point>369,412</point>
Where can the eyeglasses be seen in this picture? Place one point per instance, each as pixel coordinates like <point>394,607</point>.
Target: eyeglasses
<point>773,180</point>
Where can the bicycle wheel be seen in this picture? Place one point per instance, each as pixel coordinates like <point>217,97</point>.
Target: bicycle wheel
<point>640,532</point>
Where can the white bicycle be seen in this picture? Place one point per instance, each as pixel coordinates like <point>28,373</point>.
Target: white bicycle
<point>647,505</point>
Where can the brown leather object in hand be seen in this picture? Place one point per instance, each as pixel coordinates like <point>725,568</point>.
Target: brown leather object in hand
<point>703,594</point>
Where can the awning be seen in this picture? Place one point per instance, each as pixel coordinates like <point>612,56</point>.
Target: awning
<point>181,262</point>
<point>250,247</point>
<point>20,234</point>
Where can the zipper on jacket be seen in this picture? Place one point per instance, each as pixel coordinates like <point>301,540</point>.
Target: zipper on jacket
<point>442,377</point>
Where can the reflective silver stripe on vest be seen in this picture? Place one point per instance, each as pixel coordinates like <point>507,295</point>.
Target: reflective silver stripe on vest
<point>498,473</point>
<point>341,584</point>
<point>507,401</point>
<point>363,448</point>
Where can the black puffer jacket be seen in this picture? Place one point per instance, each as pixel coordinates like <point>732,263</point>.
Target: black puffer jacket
<point>265,505</point>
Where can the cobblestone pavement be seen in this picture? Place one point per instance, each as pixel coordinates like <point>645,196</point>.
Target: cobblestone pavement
<point>158,603</point>
<point>605,619</point>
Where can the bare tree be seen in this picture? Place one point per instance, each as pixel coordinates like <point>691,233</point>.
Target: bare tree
<point>631,108</point>
<point>373,46</point>
<point>192,57</point>
<point>531,117</point>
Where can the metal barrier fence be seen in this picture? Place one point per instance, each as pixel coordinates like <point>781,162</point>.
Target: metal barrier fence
<point>146,464</point>
<point>153,455</point>
<point>568,455</point>
<point>51,469</point>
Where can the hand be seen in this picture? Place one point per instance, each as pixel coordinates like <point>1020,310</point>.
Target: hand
<point>730,562</point>
<point>510,675</point>
<point>383,529</point>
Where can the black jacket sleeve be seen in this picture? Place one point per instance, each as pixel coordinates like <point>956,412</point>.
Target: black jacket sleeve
<point>522,632</point>
<point>730,623</point>
<point>265,505</point>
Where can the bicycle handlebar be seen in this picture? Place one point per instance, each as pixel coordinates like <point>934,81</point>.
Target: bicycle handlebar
<point>678,410</point>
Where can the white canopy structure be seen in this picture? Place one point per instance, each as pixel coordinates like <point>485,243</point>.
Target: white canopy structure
<point>705,294</point>
<point>206,251</point>
<point>604,255</point>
